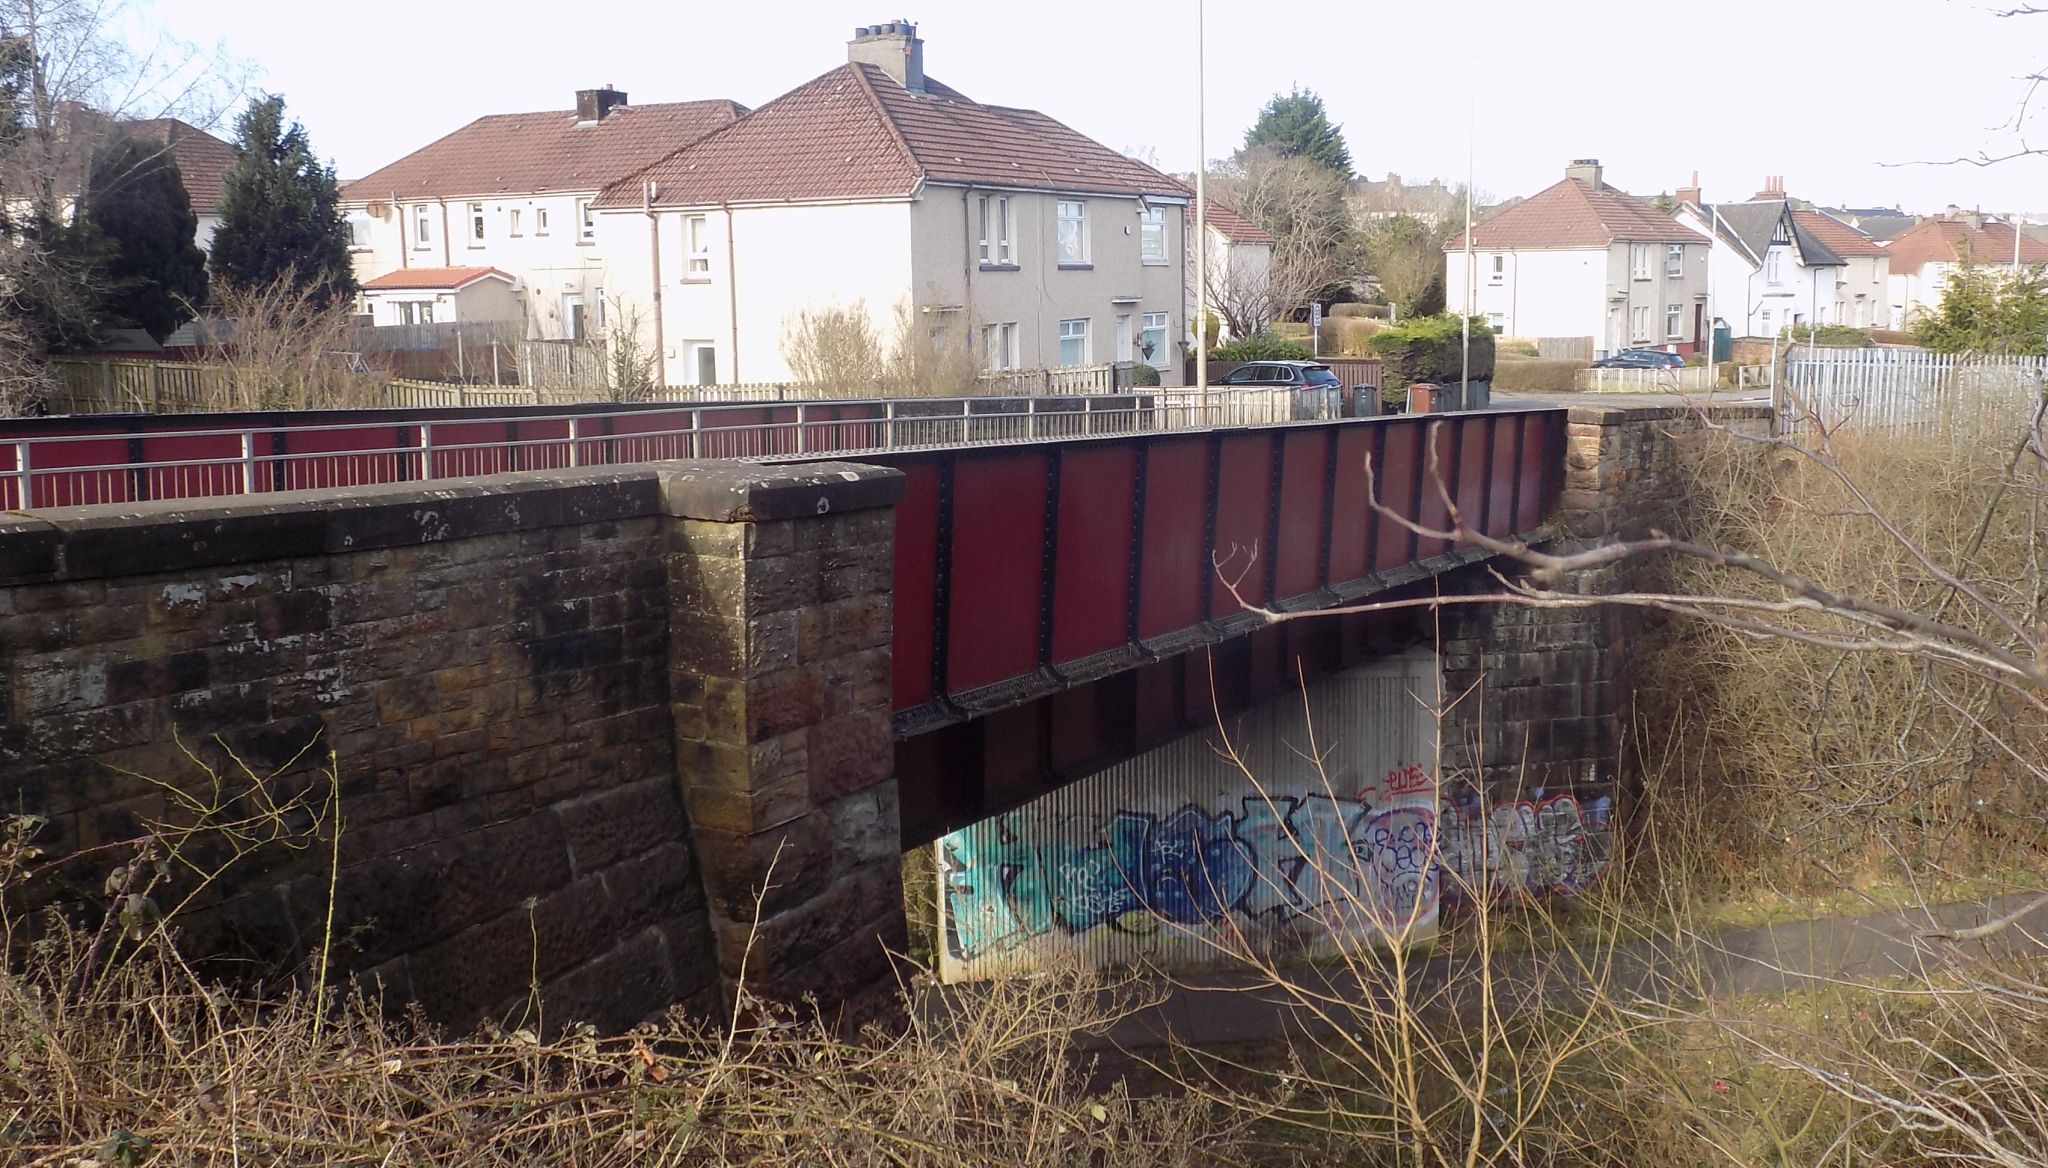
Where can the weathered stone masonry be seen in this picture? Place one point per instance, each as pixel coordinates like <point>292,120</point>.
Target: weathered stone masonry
<point>1551,691</point>
<point>522,680</point>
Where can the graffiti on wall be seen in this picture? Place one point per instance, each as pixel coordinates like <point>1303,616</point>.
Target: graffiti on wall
<point>1380,862</point>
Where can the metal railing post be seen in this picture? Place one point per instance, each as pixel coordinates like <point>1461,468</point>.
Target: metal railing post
<point>23,500</point>
<point>248,462</point>
<point>889,424</point>
<point>1031,418</point>
<point>799,427</point>
<point>426,451</point>
<point>575,430</point>
<point>696,433</point>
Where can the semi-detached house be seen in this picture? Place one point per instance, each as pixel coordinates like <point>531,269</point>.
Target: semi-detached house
<point>999,234</point>
<point>1582,259</point>
<point>510,194</point>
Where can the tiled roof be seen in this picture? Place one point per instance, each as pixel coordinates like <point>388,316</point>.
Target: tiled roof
<point>440,279</point>
<point>1944,240</point>
<point>203,160</point>
<point>1230,225</point>
<point>854,132</point>
<point>1839,237</point>
<point>541,152</point>
<point>1572,214</point>
<point>1751,226</point>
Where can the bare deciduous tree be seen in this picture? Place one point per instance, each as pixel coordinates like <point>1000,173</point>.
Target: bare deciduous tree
<point>1301,205</point>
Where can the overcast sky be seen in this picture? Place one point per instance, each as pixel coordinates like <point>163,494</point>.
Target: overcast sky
<point>1825,94</point>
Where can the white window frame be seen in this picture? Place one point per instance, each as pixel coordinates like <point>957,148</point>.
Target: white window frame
<point>1639,261</point>
<point>1148,324</point>
<point>602,320</point>
<point>696,247</point>
<point>1638,323</point>
<point>1674,322</point>
<point>1073,211</point>
<point>999,346</point>
<point>693,362</point>
<point>586,221</point>
<point>512,223</point>
<point>1774,266</point>
<point>1674,261</point>
<point>540,220</point>
<point>996,249</point>
<point>359,230</point>
<point>476,225</point>
<point>1768,321</point>
<point>1498,321</point>
<point>1077,329</point>
<point>422,227</point>
<point>1152,249</point>
<point>1499,273</point>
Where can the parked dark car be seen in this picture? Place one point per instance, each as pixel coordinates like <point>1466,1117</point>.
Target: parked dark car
<point>1640,359</point>
<point>1303,373</point>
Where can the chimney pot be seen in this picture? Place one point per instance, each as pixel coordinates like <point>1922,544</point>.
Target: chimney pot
<point>1586,170</point>
<point>894,48</point>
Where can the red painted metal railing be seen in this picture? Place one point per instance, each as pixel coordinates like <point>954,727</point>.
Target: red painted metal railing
<point>1025,569</point>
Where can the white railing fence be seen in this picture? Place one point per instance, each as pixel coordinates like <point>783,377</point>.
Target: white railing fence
<point>1690,379</point>
<point>1901,389</point>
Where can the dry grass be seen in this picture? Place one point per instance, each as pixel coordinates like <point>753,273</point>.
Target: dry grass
<point>1839,763</point>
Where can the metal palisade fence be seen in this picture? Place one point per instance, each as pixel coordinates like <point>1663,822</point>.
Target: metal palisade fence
<point>1901,389</point>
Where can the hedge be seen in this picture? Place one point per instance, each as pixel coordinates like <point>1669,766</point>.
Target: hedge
<point>1537,374</point>
<point>1431,349</point>
<point>1346,336</point>
<point>1368,311</point>
<point>1263,347</point>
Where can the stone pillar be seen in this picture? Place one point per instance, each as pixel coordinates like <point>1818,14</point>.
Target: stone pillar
<point>1550,693</point>
<point>779,678</point>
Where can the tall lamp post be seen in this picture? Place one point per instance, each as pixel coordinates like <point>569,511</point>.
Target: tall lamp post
<point>1201,321</point>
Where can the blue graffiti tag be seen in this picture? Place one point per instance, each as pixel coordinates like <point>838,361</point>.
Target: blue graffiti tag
<point>1273,859</point>
<point>1186,869</point>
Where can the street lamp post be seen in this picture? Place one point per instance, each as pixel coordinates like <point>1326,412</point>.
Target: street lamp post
<point>1201,321</point>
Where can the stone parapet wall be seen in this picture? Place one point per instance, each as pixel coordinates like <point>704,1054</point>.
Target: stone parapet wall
<point>500,669</point>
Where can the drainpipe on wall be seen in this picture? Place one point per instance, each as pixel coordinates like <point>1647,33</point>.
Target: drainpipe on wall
<point>647,193</point>
<point>447,257</point>
<point>732,290</point>
<point>404,236</point>
<point>967,262</point>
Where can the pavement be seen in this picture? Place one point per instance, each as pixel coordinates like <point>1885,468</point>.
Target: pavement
<point>1239,1008</point>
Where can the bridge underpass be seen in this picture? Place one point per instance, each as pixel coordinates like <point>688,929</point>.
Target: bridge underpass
<point>635,708</point>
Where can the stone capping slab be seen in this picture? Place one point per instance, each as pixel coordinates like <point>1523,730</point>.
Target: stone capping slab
<point>1603,414</point>
<point>127,539</point>
<point>741,492</point>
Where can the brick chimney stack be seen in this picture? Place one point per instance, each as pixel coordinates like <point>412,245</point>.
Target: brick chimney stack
<point>892,47</point>
<point>1691,194</point>
<point>1586,170</point>
<point>593,105</point>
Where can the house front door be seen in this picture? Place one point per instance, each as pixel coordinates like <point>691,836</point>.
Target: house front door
<point>1123,337</point>
<point>572,316</point>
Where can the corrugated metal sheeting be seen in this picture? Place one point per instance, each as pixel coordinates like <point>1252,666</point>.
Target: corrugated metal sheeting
<point>1312,817</point>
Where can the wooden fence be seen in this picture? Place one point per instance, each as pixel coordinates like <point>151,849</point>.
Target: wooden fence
<point>155,387</point>
<point>1350,371</point>
<point>98,386</point>
<point>1902,389</point>
<point>1565,348</point>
